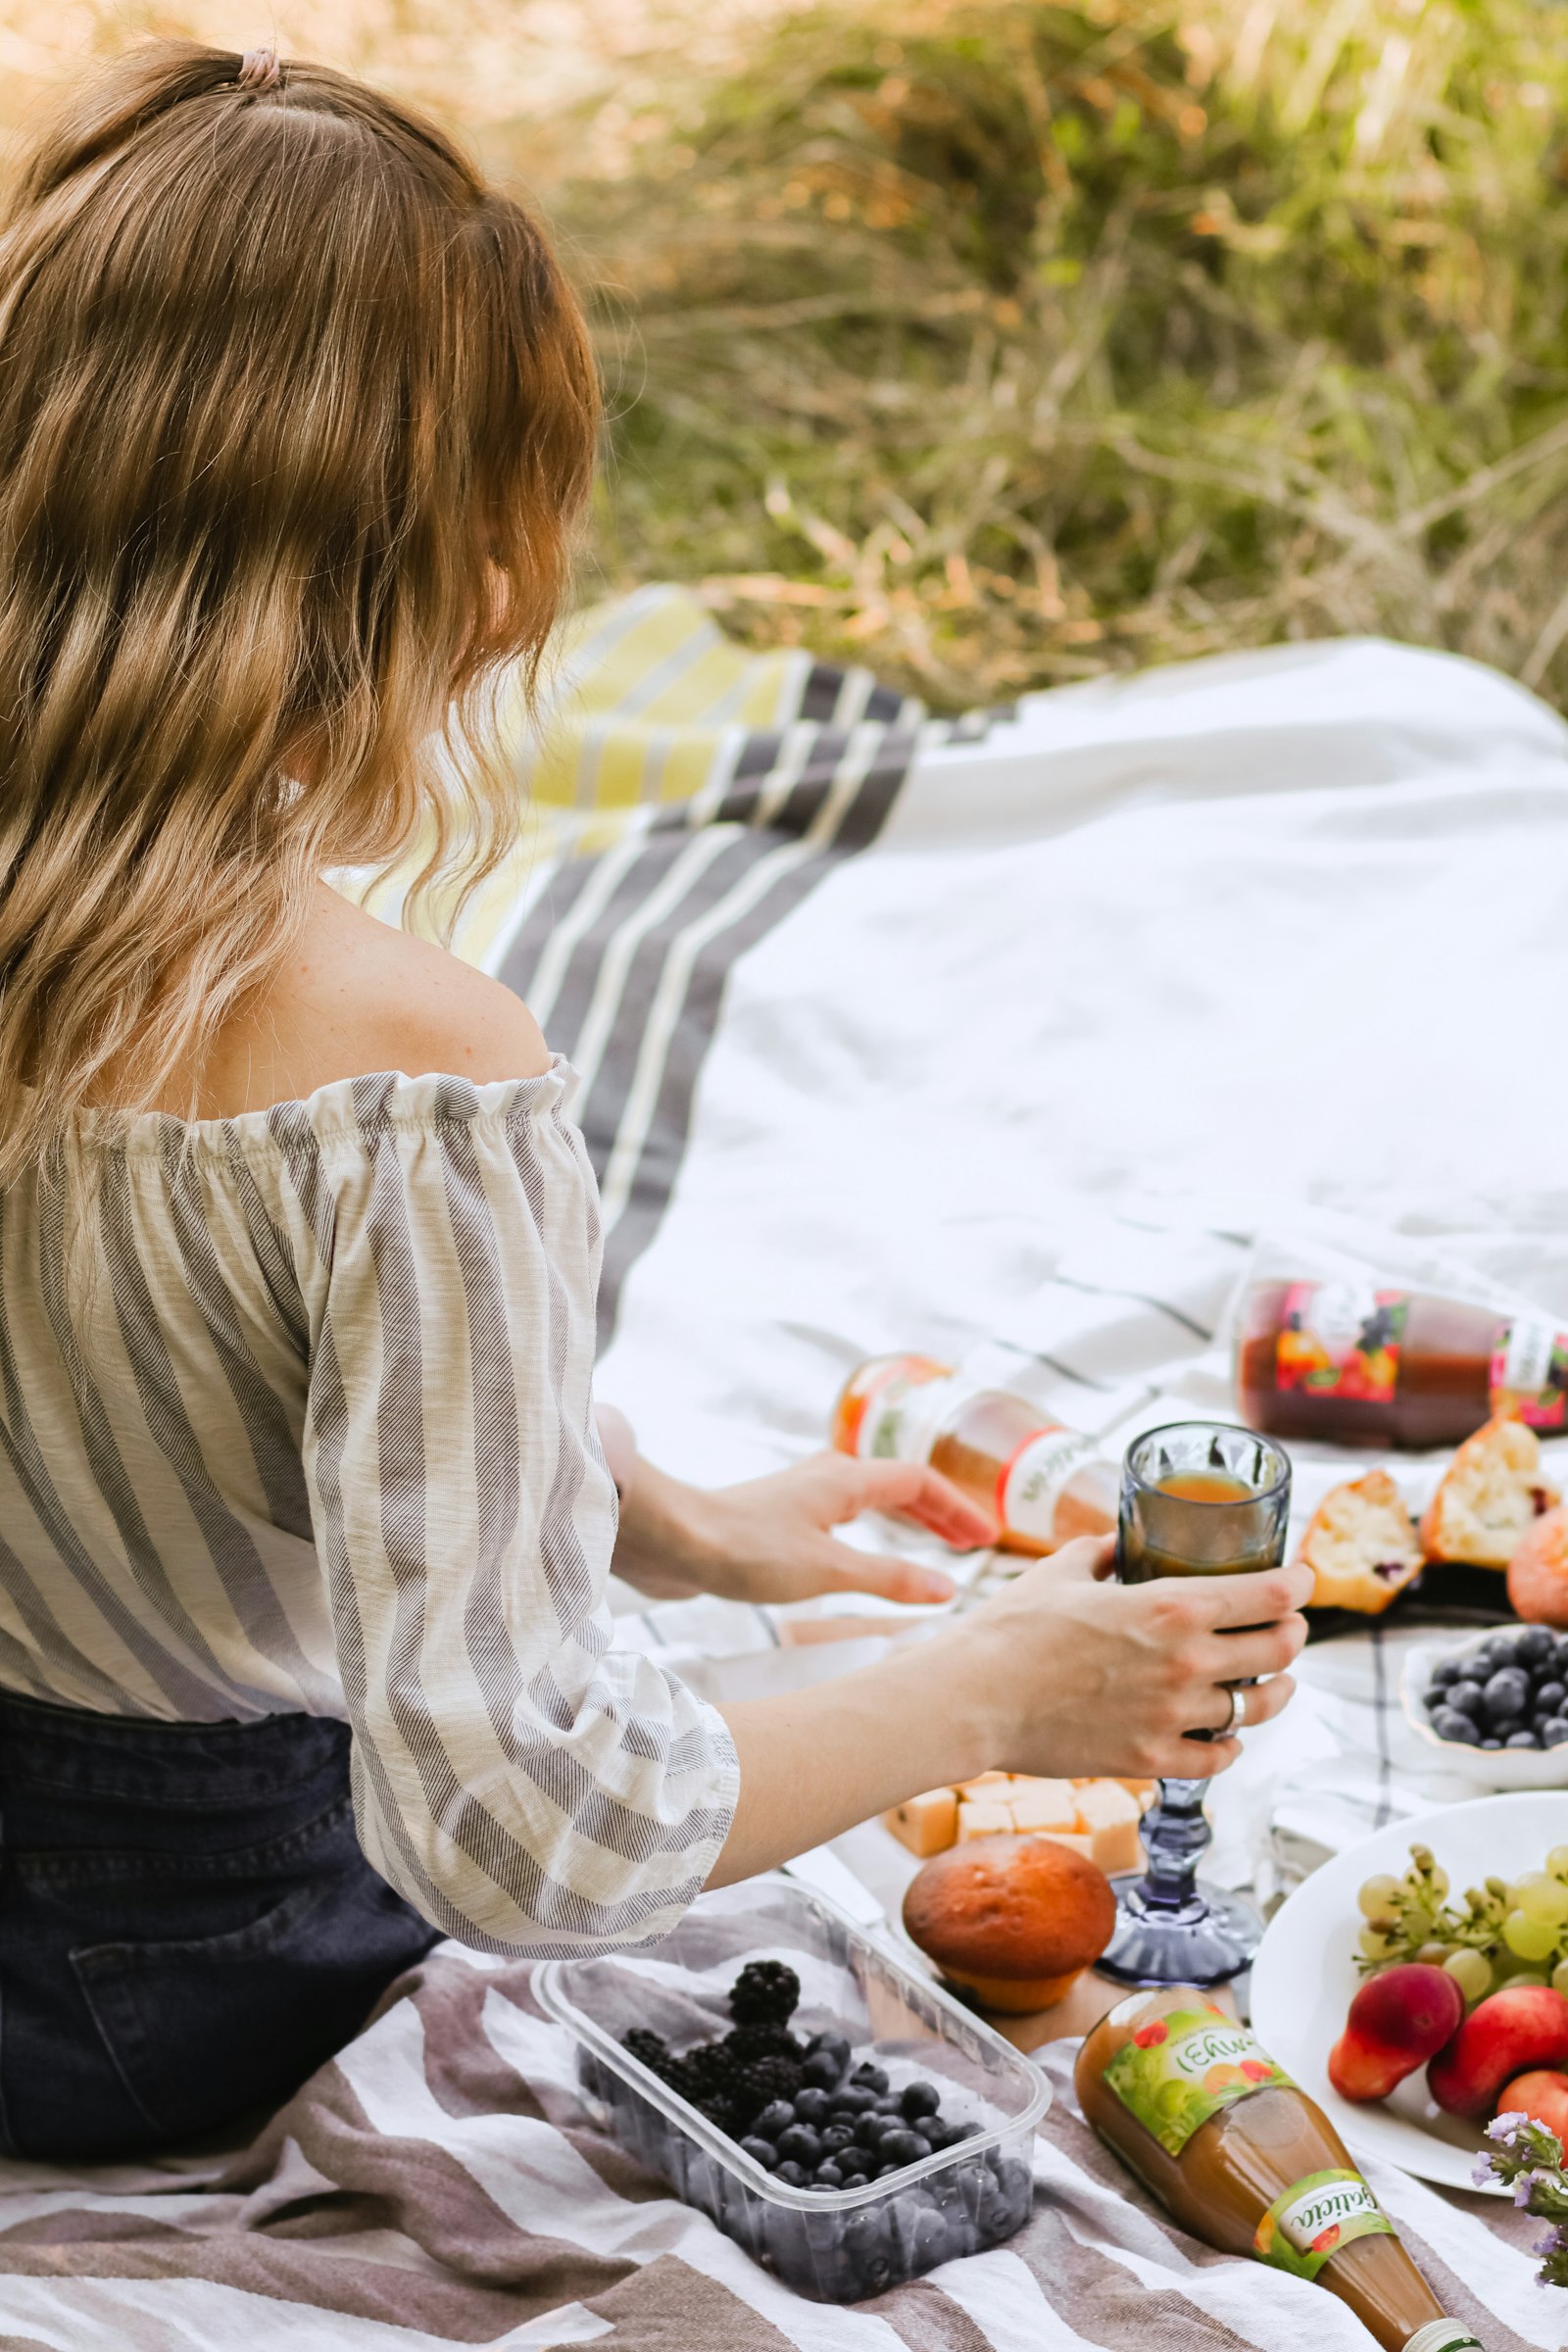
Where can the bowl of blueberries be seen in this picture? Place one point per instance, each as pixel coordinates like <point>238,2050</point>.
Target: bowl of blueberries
<point>1496,1705</point>
<point>841,2118</point>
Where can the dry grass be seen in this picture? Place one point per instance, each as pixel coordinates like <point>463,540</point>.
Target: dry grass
<point>997,343</point>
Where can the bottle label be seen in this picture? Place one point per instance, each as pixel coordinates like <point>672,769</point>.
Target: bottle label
<point>1180,2068</point>
<point>901,1417</point>
<point>1342,1339</point>
<point>1444,2335</point>
<point>1529,1373</point>
<point>1031,1484</point>
<point>1316,2217</point>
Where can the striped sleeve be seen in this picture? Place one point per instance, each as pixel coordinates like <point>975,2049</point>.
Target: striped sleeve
<point>526,1786</point>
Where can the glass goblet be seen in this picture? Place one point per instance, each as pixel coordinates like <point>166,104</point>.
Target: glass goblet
<point>1197,1499</point>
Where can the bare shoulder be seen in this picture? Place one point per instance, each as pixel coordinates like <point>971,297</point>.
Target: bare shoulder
<point>358,996</point>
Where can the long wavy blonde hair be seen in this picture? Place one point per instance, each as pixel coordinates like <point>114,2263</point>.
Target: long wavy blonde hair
<point>296,414</point>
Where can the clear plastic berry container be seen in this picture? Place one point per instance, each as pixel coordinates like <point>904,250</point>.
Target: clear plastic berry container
<point>834,2246</point>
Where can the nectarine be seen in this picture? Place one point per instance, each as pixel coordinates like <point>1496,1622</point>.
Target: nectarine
<point>1543,2095</point>
<point>1522,2027</point>
<point>1537,1573</point>
<point>1396,2020</point>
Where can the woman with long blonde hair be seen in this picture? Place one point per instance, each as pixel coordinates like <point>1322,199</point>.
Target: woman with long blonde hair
<point>304,1524</point>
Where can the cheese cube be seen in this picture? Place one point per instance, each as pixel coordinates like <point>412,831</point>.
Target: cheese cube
<point>983,1782</point>
<point>1111,1817</point>
<point>926,1825</point>
<point>1080,1841</point>
<point>979,1817</point>
<point>1044,1804</point>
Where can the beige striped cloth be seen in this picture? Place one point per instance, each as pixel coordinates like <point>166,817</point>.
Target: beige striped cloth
<point>317,1436</point>
<point>442,2185</point>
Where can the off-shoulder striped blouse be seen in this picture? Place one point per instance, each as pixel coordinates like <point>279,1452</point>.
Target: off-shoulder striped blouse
<point>314,1434</point>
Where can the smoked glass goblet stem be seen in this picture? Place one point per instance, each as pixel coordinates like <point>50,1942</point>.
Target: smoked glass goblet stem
<point>1197,1499</point>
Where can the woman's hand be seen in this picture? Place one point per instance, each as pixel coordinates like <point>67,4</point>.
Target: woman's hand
<point>769,1538</point>
<point>1089,1676</point>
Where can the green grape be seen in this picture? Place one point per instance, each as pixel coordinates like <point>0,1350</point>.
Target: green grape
<point>1531,1939</point>
<point>1379,1899</point>
<point>1558,1861</point>
<point>1471,1971</point>
<point>1560,1976</point>
<point>1539,1896</point>
<point>1374,1945</point>
<point>1438,1881</point>
<point>1434,1955</point>
<point>1501,1888</point>
<point>1526,1976</point>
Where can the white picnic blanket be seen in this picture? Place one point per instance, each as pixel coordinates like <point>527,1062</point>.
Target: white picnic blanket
<point>1006,1043</point>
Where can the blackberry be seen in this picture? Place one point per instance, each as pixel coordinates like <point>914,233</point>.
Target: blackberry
<point>764,2041</point>
<point>765,1992</point>
<point>709,2071</point>
<point>765,2080</point>
<point>650,2050</point>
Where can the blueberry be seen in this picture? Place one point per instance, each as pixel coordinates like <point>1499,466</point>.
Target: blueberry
<point>800,2144</point>
<point>1449,1724</point>
<point>1522,1740</point>
<point>811,2105</point>
<point>872,2077</point>
<point>856,2179</point>
<point>903,2146</point>
<point>795,2173</point>
<point>920,2099</point>
<point>867,2250</point>
<point>1535,1645</point>
<point>761,2152</point>
<point>828,2176</point>
<point>1501,1650</point>
<point>830,2045</point>
<point>1506,1695</point>
<point>1449,1672</point>
<point>821,2072</point>
<point>1554,1732</point>
<point>888,2103</point>
<point>891,2166</point>
<point>1549,1697</point>
<point>853,2099</point>
<point>776,2116</point>
<point>1488,1743</point>
<point>869,2129</point>
<point>922,2233</point>
<point>840,2133</point>
<point>1467,1697</point>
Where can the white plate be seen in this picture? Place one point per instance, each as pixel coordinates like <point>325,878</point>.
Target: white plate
<point>1489,1768</point>
<point>1304,1975</point>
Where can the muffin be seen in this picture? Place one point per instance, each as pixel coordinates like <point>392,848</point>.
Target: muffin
<point>1360,1544</point>
<point>1537,1573</point>
<point>1014,1921</point>
<point>1490,1493</point>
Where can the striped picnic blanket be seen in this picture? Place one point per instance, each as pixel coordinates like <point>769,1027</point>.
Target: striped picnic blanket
<point>440,2185</point>
<point>1005,1039</point>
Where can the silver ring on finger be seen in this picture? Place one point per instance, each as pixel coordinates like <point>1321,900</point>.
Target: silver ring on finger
<point>1238,1721</point>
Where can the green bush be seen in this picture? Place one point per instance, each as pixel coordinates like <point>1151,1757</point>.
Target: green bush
<point>1001,344</point>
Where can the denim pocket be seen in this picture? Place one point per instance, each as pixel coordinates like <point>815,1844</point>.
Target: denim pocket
<point>202,2028</point>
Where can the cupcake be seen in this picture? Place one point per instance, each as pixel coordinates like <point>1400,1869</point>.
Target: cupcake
<point>1013,1921</point>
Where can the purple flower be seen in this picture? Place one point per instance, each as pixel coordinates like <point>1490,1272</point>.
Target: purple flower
<point>1483,2176</point>
<point>1524,2189</point>
<point>1508,2127</point>
<point>1545,2243</point>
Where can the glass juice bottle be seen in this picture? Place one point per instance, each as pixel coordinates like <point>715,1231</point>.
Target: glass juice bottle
<point>1361,1362</point>
<point>1043,1484</point>
<point>1224,2139</point>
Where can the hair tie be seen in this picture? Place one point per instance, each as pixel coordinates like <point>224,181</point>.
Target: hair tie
<point>259,70</point>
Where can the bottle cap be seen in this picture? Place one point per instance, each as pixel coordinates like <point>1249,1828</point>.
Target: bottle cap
<point>1444,2336</point>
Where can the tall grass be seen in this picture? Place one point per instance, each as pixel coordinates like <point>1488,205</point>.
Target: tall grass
<point>998,343</point>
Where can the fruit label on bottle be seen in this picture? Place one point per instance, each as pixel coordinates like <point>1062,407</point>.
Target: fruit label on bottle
<point>902,1418</point>
<point>1030,1486</point>
<point>1530,1372</point>
<point>1313,2221</point>
<point>1180,2068</point>
<point>1341,1339</point>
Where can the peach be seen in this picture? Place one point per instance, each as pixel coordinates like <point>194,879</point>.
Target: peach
<point>1543,2095</point>
<point>1397,2020</point>
<point>1524,2026</point>
<point>1537,1573</point>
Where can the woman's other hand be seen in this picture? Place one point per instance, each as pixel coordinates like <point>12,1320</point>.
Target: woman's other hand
<point>1086,1676</point>
<point>770,1538</point>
